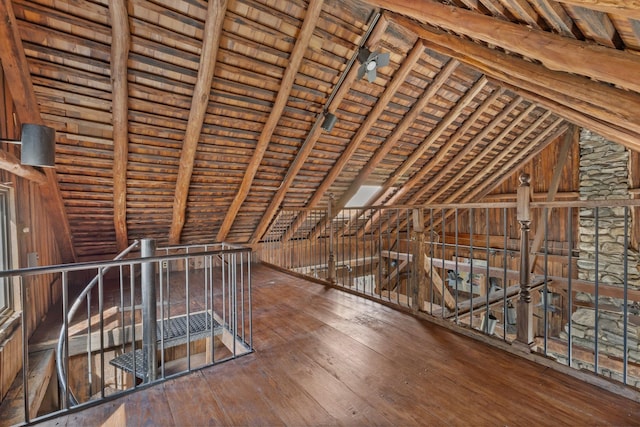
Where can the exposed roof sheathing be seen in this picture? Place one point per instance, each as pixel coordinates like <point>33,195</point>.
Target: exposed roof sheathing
<point>473,88</point>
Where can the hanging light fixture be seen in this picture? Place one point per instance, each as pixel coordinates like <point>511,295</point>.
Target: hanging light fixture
<point>329,121</point>
<point>38,145</point>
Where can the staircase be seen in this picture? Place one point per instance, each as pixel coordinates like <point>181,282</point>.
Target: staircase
<point>177,331</point>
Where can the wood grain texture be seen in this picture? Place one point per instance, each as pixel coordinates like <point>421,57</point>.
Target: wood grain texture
<point>559,53</point>
<point>120,40</point>
<point>295,60</point>
<point>312,138</point>
<point>398,79</point>
<point>16,71</point>
<point>216,11</point>
<point>592,99</point>
<point>344,360</point>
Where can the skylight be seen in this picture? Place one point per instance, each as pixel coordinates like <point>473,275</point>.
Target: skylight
<point>363,196</point>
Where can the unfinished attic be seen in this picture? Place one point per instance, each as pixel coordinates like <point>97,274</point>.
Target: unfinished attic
<point>322,212</point>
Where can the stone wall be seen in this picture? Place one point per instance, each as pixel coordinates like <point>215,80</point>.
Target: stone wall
<point>604,176</point>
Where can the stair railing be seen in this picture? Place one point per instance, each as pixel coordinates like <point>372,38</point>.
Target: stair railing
<point>61,362</point>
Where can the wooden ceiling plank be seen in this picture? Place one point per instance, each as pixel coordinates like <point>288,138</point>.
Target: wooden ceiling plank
<point>434,181</point>
<point>216,11</point>
<point>398,80</point>
<point>444,150</point>
<point>382,151</point>
<point>486,151</point>
<point>626,8</point>
<point>312,138</point>
<point>558,53</point>
<point>518,161</point>
<point>16,69</point>
<point>472,183</point>
<point>295,60</point>
<point>120,42</point>
<point>595,25</point>
<point>592,99</point>
<point>556,17</point>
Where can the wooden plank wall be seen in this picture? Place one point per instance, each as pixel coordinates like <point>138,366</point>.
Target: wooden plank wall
<point>34,235</point>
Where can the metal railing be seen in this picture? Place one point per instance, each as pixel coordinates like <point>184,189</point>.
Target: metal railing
<point>203,317</point>
<point>464,264</point>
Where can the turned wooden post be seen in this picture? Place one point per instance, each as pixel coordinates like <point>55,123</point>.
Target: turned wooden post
<point>331,262</point>
<point>525,308</point>
<point>417,267</point>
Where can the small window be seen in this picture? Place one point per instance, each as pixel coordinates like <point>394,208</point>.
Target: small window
<point>6,284</point>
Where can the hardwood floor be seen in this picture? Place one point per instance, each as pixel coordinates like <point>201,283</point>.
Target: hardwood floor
<point>324,357</point>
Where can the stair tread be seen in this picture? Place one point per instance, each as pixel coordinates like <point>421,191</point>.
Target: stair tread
<point>175,333</point>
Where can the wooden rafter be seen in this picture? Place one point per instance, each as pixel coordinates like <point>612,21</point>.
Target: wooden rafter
<point>435,181</point>
<point>307,147</point>
<point>444,150</point>
<point>556,16</point>
<point>12,164</point>
<point>295,60</point>
<point>559,53</point>
<point>546,137</point>
<point>386,97</point>
<point>211,40</point>
<point>486,151</point>
<point>428,167</point>
<point>16,68</point>
<point>626,8</point>
<point>120,41</point>
<point>598,103</point>
<point>482,187</point>
<point>442,126</point>
<point>390,142</point>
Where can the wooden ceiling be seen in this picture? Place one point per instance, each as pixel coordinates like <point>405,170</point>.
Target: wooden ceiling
<point>192,122</point>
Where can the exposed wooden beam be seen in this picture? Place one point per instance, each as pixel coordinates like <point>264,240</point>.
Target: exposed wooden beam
<point>626,8</point>
<point>444,150</point>
<point>434,181</point>
<point>554,51</point>
<point>16,68</point>
<point>570,139</point>
<point>439,130</point>
<point>398,80</point>
<point>486,151</point>
<point>613,132</point>
<point>597,102</point>
<point>486,185</point>
<point>433,136</point>
<point>546,137</point>
<point>295,60</point>
<point>216,11</point>
<point>392,139</point>
<point>120,41</point>
<point>312,138</point>
<point>12,164</point>
<point>557,17</point>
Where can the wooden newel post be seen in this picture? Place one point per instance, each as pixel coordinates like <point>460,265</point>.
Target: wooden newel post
<point>525,308</point>
<point>418,294</point>
<point>332,260</point>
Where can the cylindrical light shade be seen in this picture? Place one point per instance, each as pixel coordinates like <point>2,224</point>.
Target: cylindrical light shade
<point>329,121</point>
<point>38,146</point>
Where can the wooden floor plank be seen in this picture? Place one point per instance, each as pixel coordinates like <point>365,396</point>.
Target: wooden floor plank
<point>324,357</point>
